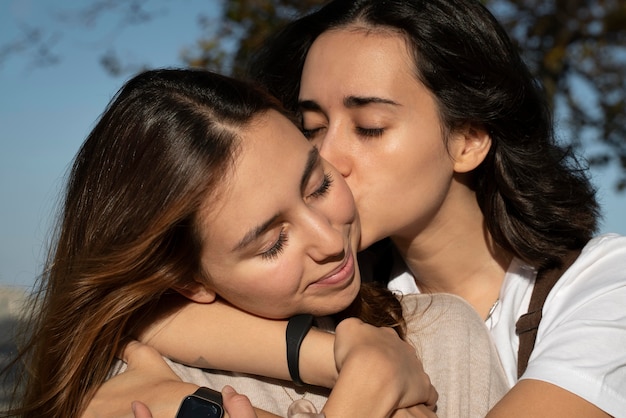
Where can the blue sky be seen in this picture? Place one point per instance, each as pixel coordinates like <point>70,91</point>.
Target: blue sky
<point>45,114</point>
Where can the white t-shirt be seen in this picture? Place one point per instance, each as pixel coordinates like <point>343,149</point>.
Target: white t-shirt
<point>581,340</point>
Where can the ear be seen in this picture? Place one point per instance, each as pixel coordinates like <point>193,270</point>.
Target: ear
<point>469,147</point>
<point>197,292</point>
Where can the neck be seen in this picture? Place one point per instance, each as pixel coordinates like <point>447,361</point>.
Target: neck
<point>458,257</point>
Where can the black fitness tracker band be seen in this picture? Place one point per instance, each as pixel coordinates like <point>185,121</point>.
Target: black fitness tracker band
<point>297,327</point>
<point>204,402</point>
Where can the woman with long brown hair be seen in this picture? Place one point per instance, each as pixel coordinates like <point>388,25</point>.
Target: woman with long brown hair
<point>140,225</point>
<point>183,195</point>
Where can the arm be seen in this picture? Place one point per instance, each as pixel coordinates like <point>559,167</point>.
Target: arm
<point>379,374</point>
<point>149,388</point>
<point>534,398</point>
<point>222,337</point>
<point>240,334</point>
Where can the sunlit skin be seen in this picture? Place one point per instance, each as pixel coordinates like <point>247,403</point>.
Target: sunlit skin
<point>283,237</point>
<point>384,137</point>
<point>408,176</point>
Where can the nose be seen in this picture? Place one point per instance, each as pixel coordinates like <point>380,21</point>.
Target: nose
<point>325,240</point>
<point>335,148</point>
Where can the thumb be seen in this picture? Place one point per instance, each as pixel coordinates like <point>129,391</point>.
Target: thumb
<point>236,405</point>
<point>141,410</point>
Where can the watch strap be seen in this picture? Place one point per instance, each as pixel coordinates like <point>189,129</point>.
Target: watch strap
<point>209,394</point>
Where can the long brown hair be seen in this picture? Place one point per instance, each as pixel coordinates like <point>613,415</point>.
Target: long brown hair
<point>127,230</point>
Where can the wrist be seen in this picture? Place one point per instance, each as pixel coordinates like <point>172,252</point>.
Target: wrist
<point>317,359</point>
<point>358,393</point>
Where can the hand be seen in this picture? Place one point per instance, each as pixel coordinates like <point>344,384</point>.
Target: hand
<point>388,366</point>
<point>147,378</point>
<point>235,404</point>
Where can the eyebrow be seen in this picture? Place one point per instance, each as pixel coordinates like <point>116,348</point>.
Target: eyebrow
<point>349,102</point>
<point>312,161</point>
<point>358,101</point>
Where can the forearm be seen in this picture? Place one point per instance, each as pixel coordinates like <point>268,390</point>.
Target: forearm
<point>532,398</point>
<point>219,336</point>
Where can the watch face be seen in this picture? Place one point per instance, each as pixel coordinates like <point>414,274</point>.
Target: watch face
<point>194,407</point>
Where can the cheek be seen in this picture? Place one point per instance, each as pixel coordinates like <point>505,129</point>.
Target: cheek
<point>394,185</point>
<point>261,287</point>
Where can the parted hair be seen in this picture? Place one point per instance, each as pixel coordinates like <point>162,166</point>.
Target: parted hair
<point>127,231</point>
<point>535,195</point>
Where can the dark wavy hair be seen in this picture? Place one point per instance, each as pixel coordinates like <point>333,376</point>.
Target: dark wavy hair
<point>127,232</point>
<point>535,196</point>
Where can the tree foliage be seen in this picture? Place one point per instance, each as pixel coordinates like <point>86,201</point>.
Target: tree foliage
<point>577,48</point>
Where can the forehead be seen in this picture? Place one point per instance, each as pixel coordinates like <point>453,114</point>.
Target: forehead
<point>271,156</point>
<point>359,55</point>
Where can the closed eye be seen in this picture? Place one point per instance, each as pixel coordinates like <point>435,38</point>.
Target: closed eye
<point>278,246</point>
<point>321,191</point>
<point>370,132</point>
<point>311,133</point>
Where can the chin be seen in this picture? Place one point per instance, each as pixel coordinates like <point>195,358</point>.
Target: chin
<point>341,304</point>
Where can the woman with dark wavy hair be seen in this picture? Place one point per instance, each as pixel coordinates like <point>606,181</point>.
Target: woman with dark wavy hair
<point>428,111</point>
<point>447,143</point>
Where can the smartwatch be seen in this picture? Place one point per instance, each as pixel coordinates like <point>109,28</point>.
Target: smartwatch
<point>203,403</point>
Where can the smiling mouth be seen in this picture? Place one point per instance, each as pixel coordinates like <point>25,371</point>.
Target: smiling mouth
<point>341,274</point>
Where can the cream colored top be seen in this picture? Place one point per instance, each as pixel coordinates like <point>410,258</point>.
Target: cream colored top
<point>449,337</point>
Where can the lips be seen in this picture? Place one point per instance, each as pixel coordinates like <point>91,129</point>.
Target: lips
<point>342,273</point>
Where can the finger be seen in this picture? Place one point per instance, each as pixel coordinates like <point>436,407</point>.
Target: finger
<point>128,350</point>
<point>138,355</point>
<point>425,411</point>
<point>141,410</point>
<point>135,351</point>
<point>433,397</point>
<point>237,405</point>
<point>419,411</point>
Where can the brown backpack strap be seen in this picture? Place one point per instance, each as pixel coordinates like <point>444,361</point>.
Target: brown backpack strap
<point>527,325</point>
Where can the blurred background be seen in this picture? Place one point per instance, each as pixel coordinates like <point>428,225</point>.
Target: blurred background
<point>61,62</point>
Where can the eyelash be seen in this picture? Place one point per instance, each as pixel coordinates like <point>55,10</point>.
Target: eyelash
<point>324,187</point>
<point>370,132</point>
<point>310,133</point>
<point>279,245</point>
